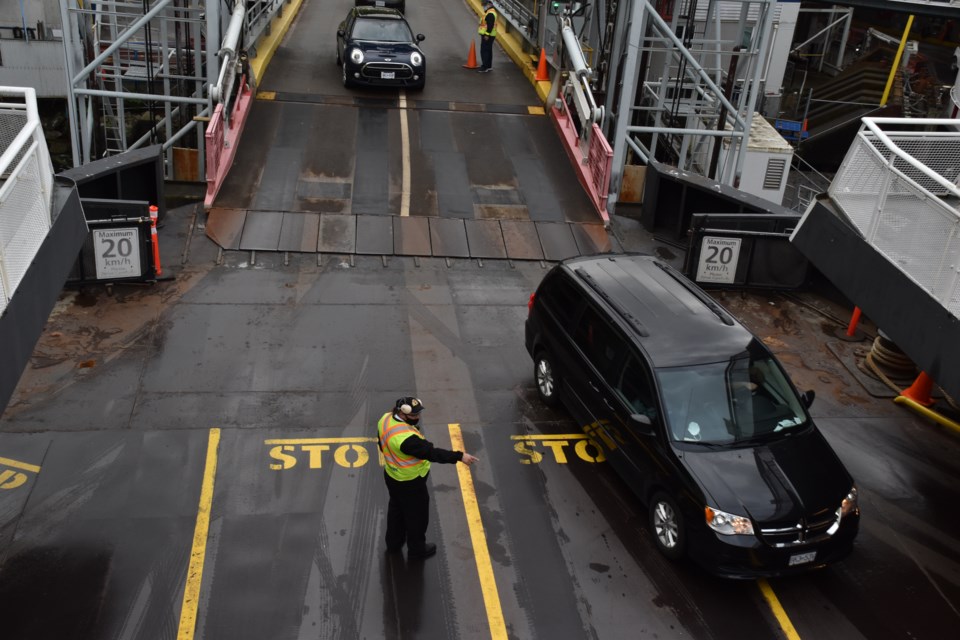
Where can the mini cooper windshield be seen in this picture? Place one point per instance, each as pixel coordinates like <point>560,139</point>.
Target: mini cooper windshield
<point>382,30</point>
<point>745,400</point>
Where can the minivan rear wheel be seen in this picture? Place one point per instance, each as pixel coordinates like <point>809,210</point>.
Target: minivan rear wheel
<point>543,373</point>
<point>666,524</point>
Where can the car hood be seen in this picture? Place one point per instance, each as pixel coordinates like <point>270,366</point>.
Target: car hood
<point>386,49</point>
<point>783,481</point>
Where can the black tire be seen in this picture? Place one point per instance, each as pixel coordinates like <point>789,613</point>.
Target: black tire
<point>347,83</point>
<point>544,374</point>
<point>417,88</point>
<point>339,61</point>
<point>667,526</point>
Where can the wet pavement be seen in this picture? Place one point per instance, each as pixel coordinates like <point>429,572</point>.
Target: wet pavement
<point>293,363</point>
<point>196,458</point>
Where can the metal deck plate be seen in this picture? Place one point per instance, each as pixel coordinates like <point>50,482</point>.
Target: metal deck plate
<point>411,236</point>
<point>375,235</point>
<point>485,238</point>
<point>557,241</point>
<point>338,233</point>
<point>520,239</point>
<point>261,231</point>
<point>299,232</point>
<point>224,226</point>
<point>449,238</point>
<point>591,238</point>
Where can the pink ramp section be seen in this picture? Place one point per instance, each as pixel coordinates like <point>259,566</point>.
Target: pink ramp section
<point>222,141</point>
<point>592,170</point>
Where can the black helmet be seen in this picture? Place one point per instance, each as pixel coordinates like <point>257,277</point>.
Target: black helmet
<point>409,405</point>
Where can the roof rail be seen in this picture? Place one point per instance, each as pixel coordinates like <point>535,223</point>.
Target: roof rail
<point>626,315</point>
<point>701,295</point>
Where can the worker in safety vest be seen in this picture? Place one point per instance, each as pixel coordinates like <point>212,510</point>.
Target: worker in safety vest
<point>488,33</point>
<point>406,462</point>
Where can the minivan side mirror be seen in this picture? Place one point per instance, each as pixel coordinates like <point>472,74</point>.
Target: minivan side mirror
<point>807,397</point>
<point>643,423</point>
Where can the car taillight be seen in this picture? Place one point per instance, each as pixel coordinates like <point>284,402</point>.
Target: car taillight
<point>530,304</point>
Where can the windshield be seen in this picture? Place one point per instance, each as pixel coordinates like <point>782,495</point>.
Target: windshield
<point>728,402</point>
<point>382,30</point>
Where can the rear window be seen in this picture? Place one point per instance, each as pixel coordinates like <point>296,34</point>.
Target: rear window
<point>562,299</point>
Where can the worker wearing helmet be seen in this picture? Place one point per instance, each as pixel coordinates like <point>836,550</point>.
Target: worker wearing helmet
<point>406,463</point>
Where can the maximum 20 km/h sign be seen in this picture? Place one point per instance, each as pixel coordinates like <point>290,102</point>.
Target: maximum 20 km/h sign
<point>718,259</point>
<point>118,252</point>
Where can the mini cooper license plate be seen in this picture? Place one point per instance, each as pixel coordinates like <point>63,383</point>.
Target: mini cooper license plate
<point>380,3</point>
<point>802,558</point>
<point>388,75</point>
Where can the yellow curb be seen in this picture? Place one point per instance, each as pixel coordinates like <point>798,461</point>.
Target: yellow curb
<point>268,45</point>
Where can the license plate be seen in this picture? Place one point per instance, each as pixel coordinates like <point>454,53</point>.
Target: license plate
<point>802,558</point>
<point>380,3</point>
<point>388,75</point>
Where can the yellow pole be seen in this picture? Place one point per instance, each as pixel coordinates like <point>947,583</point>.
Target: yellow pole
<point>896,62</point>
<point>933,415</point>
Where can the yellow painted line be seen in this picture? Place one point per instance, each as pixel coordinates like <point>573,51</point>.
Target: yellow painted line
<point>319,440</point>
<point>266,95</point>
<point>568,436</point>
<point>777,610</point>
<point>191,590</point>
<point>405,155</point>
<point>23,466</point>
<point>491,599</point>
<point>536,111</point>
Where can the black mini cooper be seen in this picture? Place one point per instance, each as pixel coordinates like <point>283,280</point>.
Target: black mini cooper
<point>375,46</point>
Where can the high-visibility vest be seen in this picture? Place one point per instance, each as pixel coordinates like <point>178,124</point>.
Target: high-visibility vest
<point>483,24</point>
<point>398,465</point>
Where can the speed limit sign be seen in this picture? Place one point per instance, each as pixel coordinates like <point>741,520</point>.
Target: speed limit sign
<point>718,259</point>
<point>117,252</point>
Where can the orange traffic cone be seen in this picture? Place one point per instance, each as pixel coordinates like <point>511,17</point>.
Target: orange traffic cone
<point>542,75</point>
<point>919,391</point>
<point>472,57</point>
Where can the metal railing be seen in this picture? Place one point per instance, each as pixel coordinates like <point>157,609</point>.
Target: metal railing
<point>520,17</point>
<point>899,187</point>
<point>26,187</point>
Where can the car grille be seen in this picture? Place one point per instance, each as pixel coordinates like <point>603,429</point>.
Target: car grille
<point>805,532</point>
<point>373,70</point>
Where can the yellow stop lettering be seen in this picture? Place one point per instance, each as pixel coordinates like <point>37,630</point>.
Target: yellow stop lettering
<point>557,446</point>
<point>534,456</point>
<point>287,461</point>
<point>316,454</point>
<point>340,455</point>
<point>584,454</point>
<point>11,479</point>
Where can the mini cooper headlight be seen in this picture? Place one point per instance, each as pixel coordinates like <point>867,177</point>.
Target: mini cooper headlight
<point>728,524</point>
<point>416,59</point>
<point>356,56</point>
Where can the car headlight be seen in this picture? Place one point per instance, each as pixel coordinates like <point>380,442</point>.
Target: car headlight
<point>849,504</point>
<point>728,524</point>
<point>416,59</point>
<point>356,56</point>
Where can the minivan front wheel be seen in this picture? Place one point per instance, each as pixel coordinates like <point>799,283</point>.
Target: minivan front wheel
<point>543,372</point>
<point>666,524</point>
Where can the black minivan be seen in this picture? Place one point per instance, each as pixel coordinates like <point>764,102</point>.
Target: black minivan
<point>699,418</point>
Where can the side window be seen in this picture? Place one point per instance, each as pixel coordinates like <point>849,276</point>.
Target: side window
<point>562,299</point>
<point>598,341</point>
<point>633,386</point>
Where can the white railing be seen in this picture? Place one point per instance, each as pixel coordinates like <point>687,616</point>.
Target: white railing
<point>899,187</point>
<point>26,187</point>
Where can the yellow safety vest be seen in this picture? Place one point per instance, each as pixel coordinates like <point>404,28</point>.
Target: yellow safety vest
<point>398,465</point>
<point>483,24</point>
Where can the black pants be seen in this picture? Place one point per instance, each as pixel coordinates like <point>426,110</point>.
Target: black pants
<point>408,513</point>
<point>486,52</point>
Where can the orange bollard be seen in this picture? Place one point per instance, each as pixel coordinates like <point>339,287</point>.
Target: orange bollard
<point>542,74</point>
<point>472,57</point>
<point>854,320</point>
<point>154,239</point>
<point>919,391</point>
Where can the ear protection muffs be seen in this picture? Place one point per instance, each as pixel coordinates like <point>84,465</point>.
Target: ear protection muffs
<point>404,407</point>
